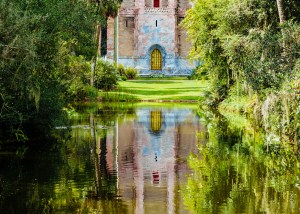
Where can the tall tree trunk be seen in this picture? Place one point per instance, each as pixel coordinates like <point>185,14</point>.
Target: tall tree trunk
<point>280,6</point>
<point>116,20</point>
<point>98,39</point>
<point>94,60</point>
<point>93,68</point>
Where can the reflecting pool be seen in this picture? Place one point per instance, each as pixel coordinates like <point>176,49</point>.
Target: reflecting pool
<point>111,159</point>
<point>240,170</point>
<point>151,158</point>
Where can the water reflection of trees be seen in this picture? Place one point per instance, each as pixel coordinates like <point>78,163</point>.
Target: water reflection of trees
<point>234,173</point>
<point>79,174</point>
<point>69,176</point>
<point>102,196</point>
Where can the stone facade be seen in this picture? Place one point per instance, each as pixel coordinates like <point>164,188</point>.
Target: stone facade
<point>141,28</point>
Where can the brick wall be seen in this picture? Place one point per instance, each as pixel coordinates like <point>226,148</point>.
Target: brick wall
<point>148,3</point>
<point>184,4</point>
<point>128,3</point>
<point>156,28</point>
<point>184,46</point>
<point>141,28</point>
<point>110,38</point>
<point>164,3</point>
<point>126,36</point>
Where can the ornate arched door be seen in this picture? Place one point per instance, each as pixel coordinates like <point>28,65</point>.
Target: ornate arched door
<point>156,60</point>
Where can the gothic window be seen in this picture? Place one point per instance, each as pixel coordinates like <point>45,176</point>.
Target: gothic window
<point>129,22</point>
<point>156,3</point>
<point>156,60</point>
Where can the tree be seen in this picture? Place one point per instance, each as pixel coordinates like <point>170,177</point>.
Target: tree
<point>280,6</point>
<point>242,41</point>
<point>36,40</point>
<point>109,8</point>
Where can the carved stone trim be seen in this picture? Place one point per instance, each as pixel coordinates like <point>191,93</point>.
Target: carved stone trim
<point>128,12</point>
<point>157,10</point>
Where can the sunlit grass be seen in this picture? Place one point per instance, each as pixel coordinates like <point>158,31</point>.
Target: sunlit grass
<point>166,90</point>
<point>167,105</point>
<point>117,96</point>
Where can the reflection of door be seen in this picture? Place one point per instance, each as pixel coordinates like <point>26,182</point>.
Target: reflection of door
<point>156,60</point>
<point>156,121</point>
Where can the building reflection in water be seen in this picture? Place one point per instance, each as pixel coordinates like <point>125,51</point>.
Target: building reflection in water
<point>149,155</point>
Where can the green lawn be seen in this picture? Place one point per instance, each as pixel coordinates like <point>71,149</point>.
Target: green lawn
<point>177,90</point>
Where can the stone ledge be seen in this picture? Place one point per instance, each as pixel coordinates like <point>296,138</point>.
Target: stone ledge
<point>162,75</point>
<point>128,12</point>
<point>156,10</point>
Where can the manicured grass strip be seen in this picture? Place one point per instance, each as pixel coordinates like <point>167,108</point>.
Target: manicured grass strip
<point>161,78</point>
<point>117,96</point>
<point>176,90</point>
<point>167,105</point>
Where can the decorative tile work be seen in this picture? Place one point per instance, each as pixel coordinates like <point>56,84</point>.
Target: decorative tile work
<point>156,10</point>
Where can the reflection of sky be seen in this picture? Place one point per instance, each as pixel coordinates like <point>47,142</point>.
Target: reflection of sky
<point>155,141</point>
<point>148,171</point>
<point>171,116</point>
<point>158,149</point>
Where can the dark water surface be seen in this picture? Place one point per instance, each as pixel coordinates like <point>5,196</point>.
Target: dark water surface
<point>134,159</point>
<point>113,160</point>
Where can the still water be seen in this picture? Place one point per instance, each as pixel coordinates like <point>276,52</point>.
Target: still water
<point>149,158</point>
<point>109,160</point>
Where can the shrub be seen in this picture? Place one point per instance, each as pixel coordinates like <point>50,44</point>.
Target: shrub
<point>193,75</point>
<point>90,92</point>
<point>131,73</point>
<point>78,71</point>
<point>86,92</point>
<point>106,75</point>
<point>121,69</point>
<point>123,78</point>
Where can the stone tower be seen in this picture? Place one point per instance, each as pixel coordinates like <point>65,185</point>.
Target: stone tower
<point>149,37</point>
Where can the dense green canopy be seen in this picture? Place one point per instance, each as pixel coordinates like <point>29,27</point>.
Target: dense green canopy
<point>251,48</point>
<point>37,39</point>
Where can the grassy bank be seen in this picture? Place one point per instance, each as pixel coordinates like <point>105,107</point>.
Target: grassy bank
<point>161,90</point>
